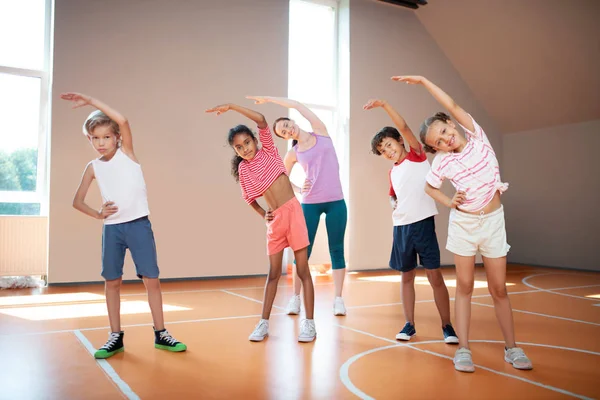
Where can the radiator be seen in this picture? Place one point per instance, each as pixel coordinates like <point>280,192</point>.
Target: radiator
<point>23,246</point>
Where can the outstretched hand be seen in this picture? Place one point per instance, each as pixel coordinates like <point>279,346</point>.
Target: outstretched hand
<point>220,109</point>
<point>374,103</point>
<point>78,99</point>
<point>413,80</point>
<point>258,99</point>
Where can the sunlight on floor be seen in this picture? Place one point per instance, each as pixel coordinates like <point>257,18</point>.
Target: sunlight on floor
<point>422,280</point>
<point>594,296</point>
<point>44,313</point>
<point>49,298</point>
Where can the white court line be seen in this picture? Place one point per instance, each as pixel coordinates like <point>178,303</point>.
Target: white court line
<point>345,376</point>
<point>249,298</point>
<point>135,325</point>
<point>524,280</point>
<point>107,368</point>
<point>541,315</point>
<point>254,300</point>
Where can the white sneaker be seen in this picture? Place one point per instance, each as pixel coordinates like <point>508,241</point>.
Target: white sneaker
<point>516,356</point>
<point>338,306</point>
<point>463,361</point>
<point>293,307</point>
<point>308,332</point>
<point>260,332</point>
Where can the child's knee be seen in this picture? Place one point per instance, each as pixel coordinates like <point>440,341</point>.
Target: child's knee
<point>435,277</point>
<point>498,292</point>
<point>113,284</point>
<point>465,285</point>
<point>408,278</point>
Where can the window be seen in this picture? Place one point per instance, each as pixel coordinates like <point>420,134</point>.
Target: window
<point>313,77</point>
<point>25,62</point>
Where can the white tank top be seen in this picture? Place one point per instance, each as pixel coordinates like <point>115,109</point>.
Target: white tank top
<point>121,180</point>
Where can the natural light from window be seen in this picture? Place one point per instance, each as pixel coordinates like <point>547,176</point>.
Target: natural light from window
<point>422,280</point>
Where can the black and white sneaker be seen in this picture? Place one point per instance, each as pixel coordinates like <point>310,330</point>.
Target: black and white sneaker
<point>407,332</point>
<point>449,334</point>
<point>164,341</point>
<point>113,346</point>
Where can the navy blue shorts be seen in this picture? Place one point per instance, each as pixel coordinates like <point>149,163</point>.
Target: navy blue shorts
<point>412,240</point>
<point>137,236</point>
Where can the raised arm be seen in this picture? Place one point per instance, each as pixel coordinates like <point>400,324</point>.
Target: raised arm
<point>81,100</point>
<point>400,123</point>
<point>257,117</point>
<point>444,99</point>
<point>317,125</point>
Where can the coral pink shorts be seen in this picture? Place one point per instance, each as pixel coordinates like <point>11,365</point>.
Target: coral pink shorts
<point>287,229</point>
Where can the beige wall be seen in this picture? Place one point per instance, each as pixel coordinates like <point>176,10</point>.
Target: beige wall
<point>552,213</point>
<point>162,63</point>
<point>387,40</point>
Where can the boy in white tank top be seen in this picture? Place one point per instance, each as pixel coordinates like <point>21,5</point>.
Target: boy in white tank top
<point>125,216</point>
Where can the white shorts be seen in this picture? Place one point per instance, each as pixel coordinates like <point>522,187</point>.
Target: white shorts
<point>468,233</point>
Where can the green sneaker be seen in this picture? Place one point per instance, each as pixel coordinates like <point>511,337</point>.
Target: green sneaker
<point>164,341</point>
<point>113,346</point>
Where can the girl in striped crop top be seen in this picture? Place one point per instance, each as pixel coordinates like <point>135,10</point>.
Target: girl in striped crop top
<point>476,218</point>
<point>321,192</point>
<point>261,173</point>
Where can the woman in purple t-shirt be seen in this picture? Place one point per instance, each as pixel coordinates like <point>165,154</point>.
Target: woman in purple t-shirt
<point>321,193</point>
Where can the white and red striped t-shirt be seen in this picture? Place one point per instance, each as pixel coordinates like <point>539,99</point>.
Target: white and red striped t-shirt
<point>474,170</point>
<point>257,175</point>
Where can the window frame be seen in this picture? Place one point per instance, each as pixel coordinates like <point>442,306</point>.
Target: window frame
<point>40,195</point>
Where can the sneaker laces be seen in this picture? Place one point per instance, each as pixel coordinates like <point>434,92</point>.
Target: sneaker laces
<point>463,356</point>
<point>112,340</point>
<point>517,354</point>
<point>166,336</point>
<point>262,325</point>
<point>307,328</point>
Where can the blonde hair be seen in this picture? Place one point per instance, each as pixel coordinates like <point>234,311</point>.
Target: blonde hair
<point>98,118</point>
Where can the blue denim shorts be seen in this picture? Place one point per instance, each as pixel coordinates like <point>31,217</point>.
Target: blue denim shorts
<point>137,236</point>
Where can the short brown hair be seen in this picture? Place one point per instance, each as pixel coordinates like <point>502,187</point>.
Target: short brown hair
<point>96,119</point>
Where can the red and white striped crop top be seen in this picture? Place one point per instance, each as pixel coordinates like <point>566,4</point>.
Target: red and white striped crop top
<point>258,174</point>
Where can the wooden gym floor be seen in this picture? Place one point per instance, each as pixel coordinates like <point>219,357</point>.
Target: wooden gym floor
<point>47,337</point>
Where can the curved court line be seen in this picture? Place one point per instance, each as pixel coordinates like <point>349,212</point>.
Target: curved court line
<point>345,368</point>
<point>107,368</point>
<point>524,281</point>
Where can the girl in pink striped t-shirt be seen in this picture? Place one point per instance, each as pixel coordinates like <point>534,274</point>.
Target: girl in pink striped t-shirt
<point>261,173</point>
<point>476,217</point>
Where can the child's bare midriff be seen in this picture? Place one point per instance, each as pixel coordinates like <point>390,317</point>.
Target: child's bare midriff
<point>279,193</point>
<point>490,207</point>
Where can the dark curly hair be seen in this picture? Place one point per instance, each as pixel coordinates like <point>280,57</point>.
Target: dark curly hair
<point>442,117</point>
<point>387,131</point>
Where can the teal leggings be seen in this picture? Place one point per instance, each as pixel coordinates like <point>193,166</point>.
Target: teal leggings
<point>336,217</point>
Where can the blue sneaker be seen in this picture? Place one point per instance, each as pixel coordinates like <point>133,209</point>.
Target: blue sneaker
<point>449,334</point>
<point>407,332</point>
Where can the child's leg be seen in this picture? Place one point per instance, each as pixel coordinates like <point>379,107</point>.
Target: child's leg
<point>336,218</point>
<point>495,269</point>
<point>304,275</point>
<point>440,294</point>
<point>465,270</point>
<point>312,215</point>
<point>155,302</point>
<point>112,292</point>
<point>275,261</point>
<point>408,295</point>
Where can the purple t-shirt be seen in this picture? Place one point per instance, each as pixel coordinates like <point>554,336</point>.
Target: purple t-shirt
<point>322,169</point>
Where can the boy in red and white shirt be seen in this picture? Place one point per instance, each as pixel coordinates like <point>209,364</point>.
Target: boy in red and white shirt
<point>413,216</point>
